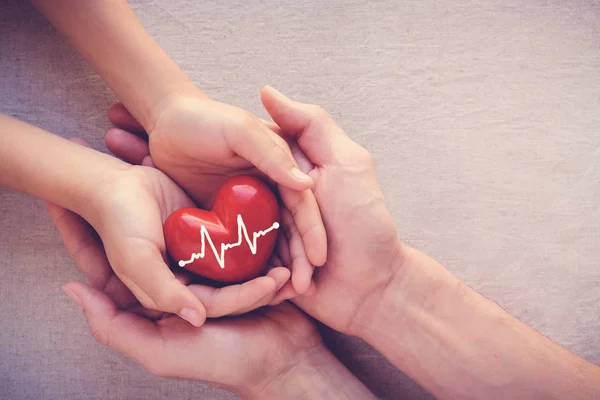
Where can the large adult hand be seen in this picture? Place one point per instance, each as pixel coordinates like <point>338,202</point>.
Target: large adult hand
<point>440,332</point>
<point>200,142</point>
<point>363,243</point>
<point>132,207</point>
<point>249,355</point>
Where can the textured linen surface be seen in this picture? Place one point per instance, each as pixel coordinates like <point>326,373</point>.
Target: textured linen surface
<point>483,118</point>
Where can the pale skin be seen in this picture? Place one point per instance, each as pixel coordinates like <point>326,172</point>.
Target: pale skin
<point>198,142</point>
<point>194,140</point>
<point>451,340</point>
<point>126,205</point>
<point>429,324</point>
<point>272,353</point>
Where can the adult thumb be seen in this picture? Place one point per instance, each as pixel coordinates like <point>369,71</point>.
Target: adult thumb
<point>308,124</point>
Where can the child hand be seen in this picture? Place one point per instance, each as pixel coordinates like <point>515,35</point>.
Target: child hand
<point>199,143</point>
<point>133,206</point>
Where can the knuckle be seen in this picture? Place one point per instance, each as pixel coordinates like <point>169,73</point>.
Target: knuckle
<point>100,336</point>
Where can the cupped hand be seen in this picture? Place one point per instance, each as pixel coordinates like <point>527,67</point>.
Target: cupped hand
<point>363,243</point>
<point>242,354</point>
<point>132,208</point>
<point>200,142</point>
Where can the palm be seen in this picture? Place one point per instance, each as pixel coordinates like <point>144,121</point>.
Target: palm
<point>270,337</point>
<point>360,232</point>
<point>200,143</point>
<point>226,351</point>
<point>363,242</point>
<point>132,249</point>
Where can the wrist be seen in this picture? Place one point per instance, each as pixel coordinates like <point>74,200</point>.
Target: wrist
<point>52,168</point>
<point>455,343</point>
<point>287,378</point>
<point>417,283</point>
<point>390,276</point>
<point>177,95</point>
<point>113,41</point>
<point>315,374</point>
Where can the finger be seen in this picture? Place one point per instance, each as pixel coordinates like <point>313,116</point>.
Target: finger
<point>287,292</point>
<point>281,276</point>
<point>318,136</point>
<point>133,305</point>
<point>126,145</point>
<point>271,125</point>
<point>307,220</point>
<point>270,154</point>
<point>127,333</point>
<point>142,311</point>
<point>148,162</point>
<point>304,163</point>
<point>302,269</point>
<point>235,299</point>
<point>283,249</point>
<point>120,117</point>
<point>276,261</point>
<point>154,284</point>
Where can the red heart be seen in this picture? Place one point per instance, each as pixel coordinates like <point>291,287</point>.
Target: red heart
<point>242,228</point>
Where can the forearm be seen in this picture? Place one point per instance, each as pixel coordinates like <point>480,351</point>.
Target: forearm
<point>319,376</point>
<point>457,344</point>
<point>50,167</point>
<point>113,41</point>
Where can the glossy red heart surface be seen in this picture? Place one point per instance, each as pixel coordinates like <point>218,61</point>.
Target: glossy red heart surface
<point>233,242</point>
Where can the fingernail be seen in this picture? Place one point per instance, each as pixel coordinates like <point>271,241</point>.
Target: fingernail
<point>190,315</point>
<point>73,296</point>
<point>300,175</point>
<point>279,94</point>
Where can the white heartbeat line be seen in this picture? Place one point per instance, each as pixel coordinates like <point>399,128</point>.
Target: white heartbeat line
<point>204,235</point>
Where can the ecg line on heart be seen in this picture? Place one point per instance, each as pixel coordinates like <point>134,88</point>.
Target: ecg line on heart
<point>242,234</point>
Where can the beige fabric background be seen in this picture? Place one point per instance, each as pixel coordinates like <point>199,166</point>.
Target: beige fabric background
<point>483,116</point>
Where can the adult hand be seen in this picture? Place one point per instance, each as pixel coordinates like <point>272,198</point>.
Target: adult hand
<point>275,352</point>
<point>435,328</point>
<point>131,210</point>
<point>364,247</point>
<point>200,142</point>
